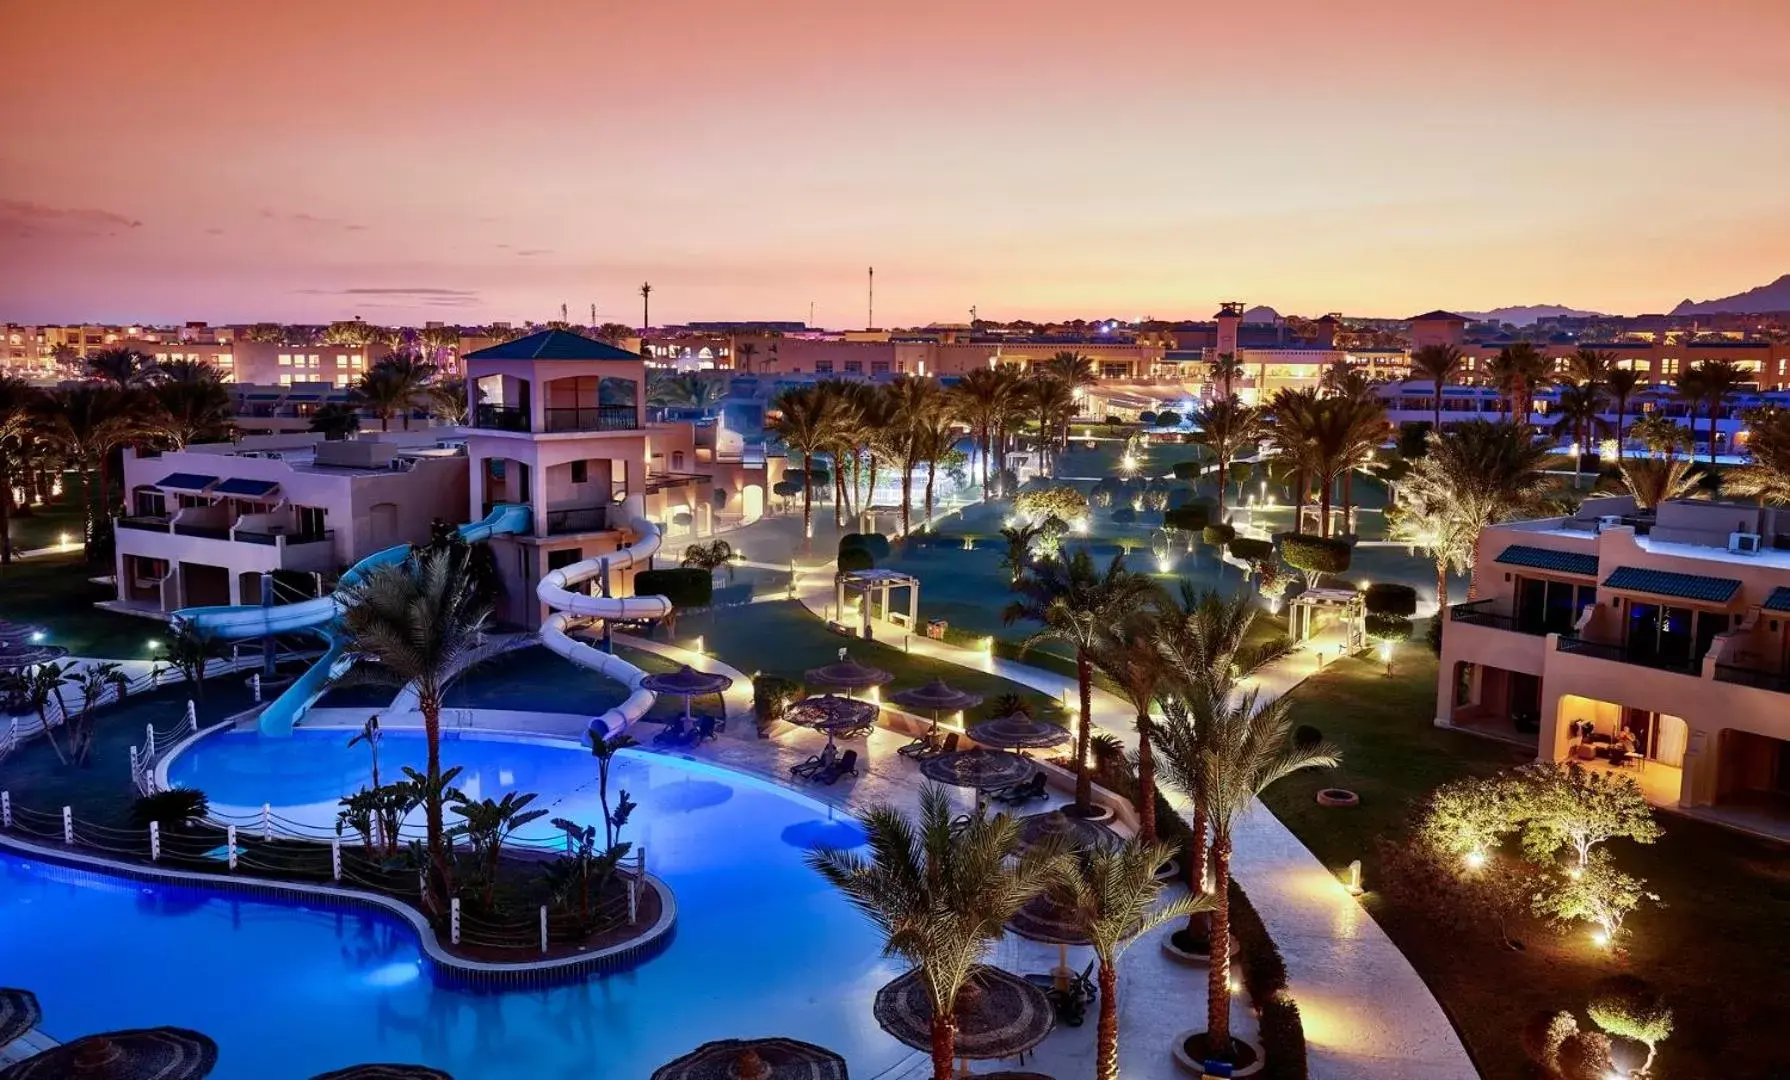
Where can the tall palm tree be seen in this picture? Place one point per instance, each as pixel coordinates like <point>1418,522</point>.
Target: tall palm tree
<point>439,345</point>
<point>913,402</point>
<point>646,300</point>
<point>937,434</point>
<point>1226,426</point>
<point>1128,655</point>
<point>417,622</point>
<point>1440,364</point>
<point>1653,481</point>
<point>1015,401</point>
<point>20,410</point>
<point>982,397</point>
<point>384,393</point>
<point>1767,478</point>
<point>1071,367</point>
<point>1292,426</point>
<point>1075,603</point>
<point>1517,370</point>
<point>1110,893</point>
<point>122,367</point>
<point>1245,747</point>
<point>1710,385</point>
<point>941,893</point>
<point>1619,386</point>
<point>1476,474</point>
<point>1225,369</point>
<point>192,402</point>
<point>87,422</point>
<point>1053,401</point>
<point>448,400</point>
<point>805,418</point>
<point>743,355</point>
<point>1349,431</point>
<point>1590,367</point>
<point>1580,410</point>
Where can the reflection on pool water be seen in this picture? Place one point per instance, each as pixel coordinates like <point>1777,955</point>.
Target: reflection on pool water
<point>762,945</point>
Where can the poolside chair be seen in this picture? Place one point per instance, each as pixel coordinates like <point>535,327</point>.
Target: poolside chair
<point>1024,792</point>
<point>706,728</point>
<point>923,744</point>
<point>949,746</point>
<point>822,760</point>
<point>847,763</point>
<point>1071,1004</point>
<point>674,732</point>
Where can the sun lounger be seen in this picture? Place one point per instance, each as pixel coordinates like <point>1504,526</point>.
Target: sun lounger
<point>819,761</point>
<point>847,764</point>
<point>947,747</point>
<point>1024,792</point>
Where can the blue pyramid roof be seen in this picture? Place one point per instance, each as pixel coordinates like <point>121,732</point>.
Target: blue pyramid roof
<point>553,345</point>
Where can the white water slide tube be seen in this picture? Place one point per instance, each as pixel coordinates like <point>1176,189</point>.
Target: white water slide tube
<point>558,591</point>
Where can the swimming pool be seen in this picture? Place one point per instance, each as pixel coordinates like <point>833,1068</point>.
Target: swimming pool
<point>762,945</point>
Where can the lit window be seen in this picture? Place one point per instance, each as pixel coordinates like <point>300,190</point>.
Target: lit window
<point>285,378</point>
<point>341,378</point>
<point>823,367</point>
<point>225,359</point>
<point>341,359</point>
<point>285,359</point>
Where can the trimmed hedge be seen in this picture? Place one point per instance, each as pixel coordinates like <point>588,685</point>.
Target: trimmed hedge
<point>1390,598</point>
<point>1192,517</point>
<point>1146,417</point>
<point>1218,535</point>
<point>1388,627</point>
<point>1124,515</point>
<point>855,558</point>
<point>1250,549</point>
<point>1168,418</point>
<point>1187,470</point>
<point>875,543</point>
<point>685,587</point>
<point>787,488</point>
<point>1315,554</point>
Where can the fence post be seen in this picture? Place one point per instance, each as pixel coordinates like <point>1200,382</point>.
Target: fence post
<point>255,686</point>
<point>6,809</point>
<point>335,859</point>
<point>633,902</point>
<point>230,842</point>
<point>192,716</point>
<point>640,862</point>
<point>68,825</point>
<point>454,919</point>
<point>422,883</point>
<point>155,841</point>
<point>266,823</point>
<point>135,768</point>
<point>149,742</point>
<point>543,929</point>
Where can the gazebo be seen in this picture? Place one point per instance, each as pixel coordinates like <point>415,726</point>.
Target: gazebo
<point>873,585</point>
<point>1313,609</point>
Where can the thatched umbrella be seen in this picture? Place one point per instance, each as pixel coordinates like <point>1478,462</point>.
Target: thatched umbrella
<point>999,1014</point>
<point>19,1013</point>
<point>163,1053</point>
<point>688,682</point>
<point>936,697</point>
<point>1073,832</point>
<point>755,1059</point>
<point>384,1072</point>
<point>21,653</point>
<point>847,675</point>
<point>984,770</point>
<point>1019,732</point>
<point>833,715</point>
<point>13,631</point>
<point>1043,919</point>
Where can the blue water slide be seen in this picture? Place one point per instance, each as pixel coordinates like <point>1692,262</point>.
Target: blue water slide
<point>318,616</point>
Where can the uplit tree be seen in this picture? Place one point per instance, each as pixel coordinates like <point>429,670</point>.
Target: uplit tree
<point>1597,892</point>
<point>1631,1008</point>
<point>1572,807</point>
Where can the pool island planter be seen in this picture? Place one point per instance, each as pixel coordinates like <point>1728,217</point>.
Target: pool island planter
<point>447,968</point>
<point>1193,1067</point>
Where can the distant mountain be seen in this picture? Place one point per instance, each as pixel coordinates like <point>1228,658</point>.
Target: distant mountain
<point>1773,297</point>
<point>1526,315</point>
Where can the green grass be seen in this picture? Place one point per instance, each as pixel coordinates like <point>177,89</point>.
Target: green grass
<point>1718,949</point>
<point>783,638</point>
<point>55,592</point>
<point>46,525</point>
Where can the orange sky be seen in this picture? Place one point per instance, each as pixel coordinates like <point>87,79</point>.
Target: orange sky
<point>469,161</point>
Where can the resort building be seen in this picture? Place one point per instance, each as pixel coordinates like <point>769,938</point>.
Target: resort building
<point>206,523</point>
<point>1654,642</point>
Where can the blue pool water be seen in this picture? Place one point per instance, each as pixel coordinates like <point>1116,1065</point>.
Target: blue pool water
<point>762,945</point>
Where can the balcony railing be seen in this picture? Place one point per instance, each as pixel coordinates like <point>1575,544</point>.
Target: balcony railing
<point>143,523</point>
<point>1624,654</point>
<point>595,418</point>
<point>209,532</point>
<point>1480,613</point>
<point>1761,680</point>
<point>271,539</point>
<point>501,417</point>
<point>577,519</point>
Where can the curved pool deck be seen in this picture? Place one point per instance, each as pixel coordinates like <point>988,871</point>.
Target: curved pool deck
<point>762,945</point>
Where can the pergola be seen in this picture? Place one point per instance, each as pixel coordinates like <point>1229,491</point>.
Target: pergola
<point>872,585</point>
<point>1310,609</point>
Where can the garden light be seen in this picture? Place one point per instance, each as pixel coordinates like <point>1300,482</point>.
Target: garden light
<point>699,649</point>
<point>63,539</point>
<point>37,637</point>
<point>1601,938</point>
<point>1475,860</point>
<point>1164,564</point>
<point>154,644</point>
<point>1385,652</point>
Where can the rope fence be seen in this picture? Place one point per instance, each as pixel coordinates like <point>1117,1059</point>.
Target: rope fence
<point>16,730</point>
<point>267,845</point>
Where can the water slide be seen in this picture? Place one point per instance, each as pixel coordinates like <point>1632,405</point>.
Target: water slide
<point>318,616</point>
<point>559,591</point>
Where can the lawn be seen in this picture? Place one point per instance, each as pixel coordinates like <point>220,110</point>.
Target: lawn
<point>46,525</point>
<point>56,592</point>
<point>1718,948</point>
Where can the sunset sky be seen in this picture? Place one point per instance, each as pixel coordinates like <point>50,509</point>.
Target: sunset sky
<point>230,161</point>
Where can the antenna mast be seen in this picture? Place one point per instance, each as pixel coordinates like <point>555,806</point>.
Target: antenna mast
<point>872,312</point>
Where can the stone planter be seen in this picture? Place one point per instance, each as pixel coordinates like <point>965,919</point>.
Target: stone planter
<point>1098,813</point>
<point>1169,871</point>
<point>1333,796</point>
<point>1194,1068</point>
<point>1175,952</point>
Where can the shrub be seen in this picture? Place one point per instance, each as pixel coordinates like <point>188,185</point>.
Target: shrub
<point>1251,549</point>
<point>685,587</point>
<point>875,543</point>
<point>1282,1032</point>
<point>175,808</point>
<point>788,489</point>
<point>772,695</point>
<point>1187,470</point>
<point>1155,499</point>
<point>681,518</point>
<point>1305,736</point>
<point>1100,498</point>
<point>1251,657</point>
<point>1218,535</point>
<point>1058,500</point>
<point>1390,598</point>
<point>1146,417</point>
<point>1413,439</point>
<point>855,558</point>
<point>1193,517</point>
<point>1631,1008</point>
<point>1124,515</point>
<point>1388,627</point>
<point>1543,1035</point>
<point>1585,1055</point>
<point>1168,418</point>
<point>1315,554</point>
<point>1180,495</point>
<point>1006,705</point>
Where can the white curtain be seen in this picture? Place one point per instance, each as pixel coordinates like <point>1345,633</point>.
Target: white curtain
<point>1669,744</point>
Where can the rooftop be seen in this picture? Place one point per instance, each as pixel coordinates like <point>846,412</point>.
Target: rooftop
<point>553,345</point>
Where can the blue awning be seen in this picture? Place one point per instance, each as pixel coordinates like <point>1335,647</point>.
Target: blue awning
<point>186,481</point>
<point>1779,600</point>
<point>1560,562</point>
<point>247,488</point>
<point>1711,590</point>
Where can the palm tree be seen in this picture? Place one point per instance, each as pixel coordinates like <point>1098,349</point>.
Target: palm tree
<point>1440,364</point>
<point>1620,385</point>
<point>20,409</point>
<point>646,299</point>
<point>941,893</point>
<point>1768,477</point>
<point>1579,407</point>
<point>1476,474</point>
<point>1245,747</point>
<point>334,420</point>
<point>1292,430</point>
<point>448,400</point>
<point>912,404</point>
<point>1110,894</point>
<point>193,403</point>
<point>121,367</point>
<point>743,355</point>
<point>1226,426</point>
<point>87,422</point>
<point>1053,401</point>
<point>1015,401</point>
<point>417,622</point>
<point>1659,434</point>
<point>1224,370</point>
<point>805,419</point>
<point>982,397</point>
<point>1018,555</point>
<point>439,345</point>
<point>1517,370</point>
<point>1075,603</point>
<point>1348,432</point>
<point>1653,481</point>
<point>1071,367</point>
<point>1590,367</point>
<point>1710,384</point>
<point>1128,655</point>
<point>937,434</point>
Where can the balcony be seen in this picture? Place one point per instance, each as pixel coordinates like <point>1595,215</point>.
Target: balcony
<point>557,420</point>
<point>143,523</point>
<point>577,519</point>
<point>1623,654</point>
<point>1777,682</point>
